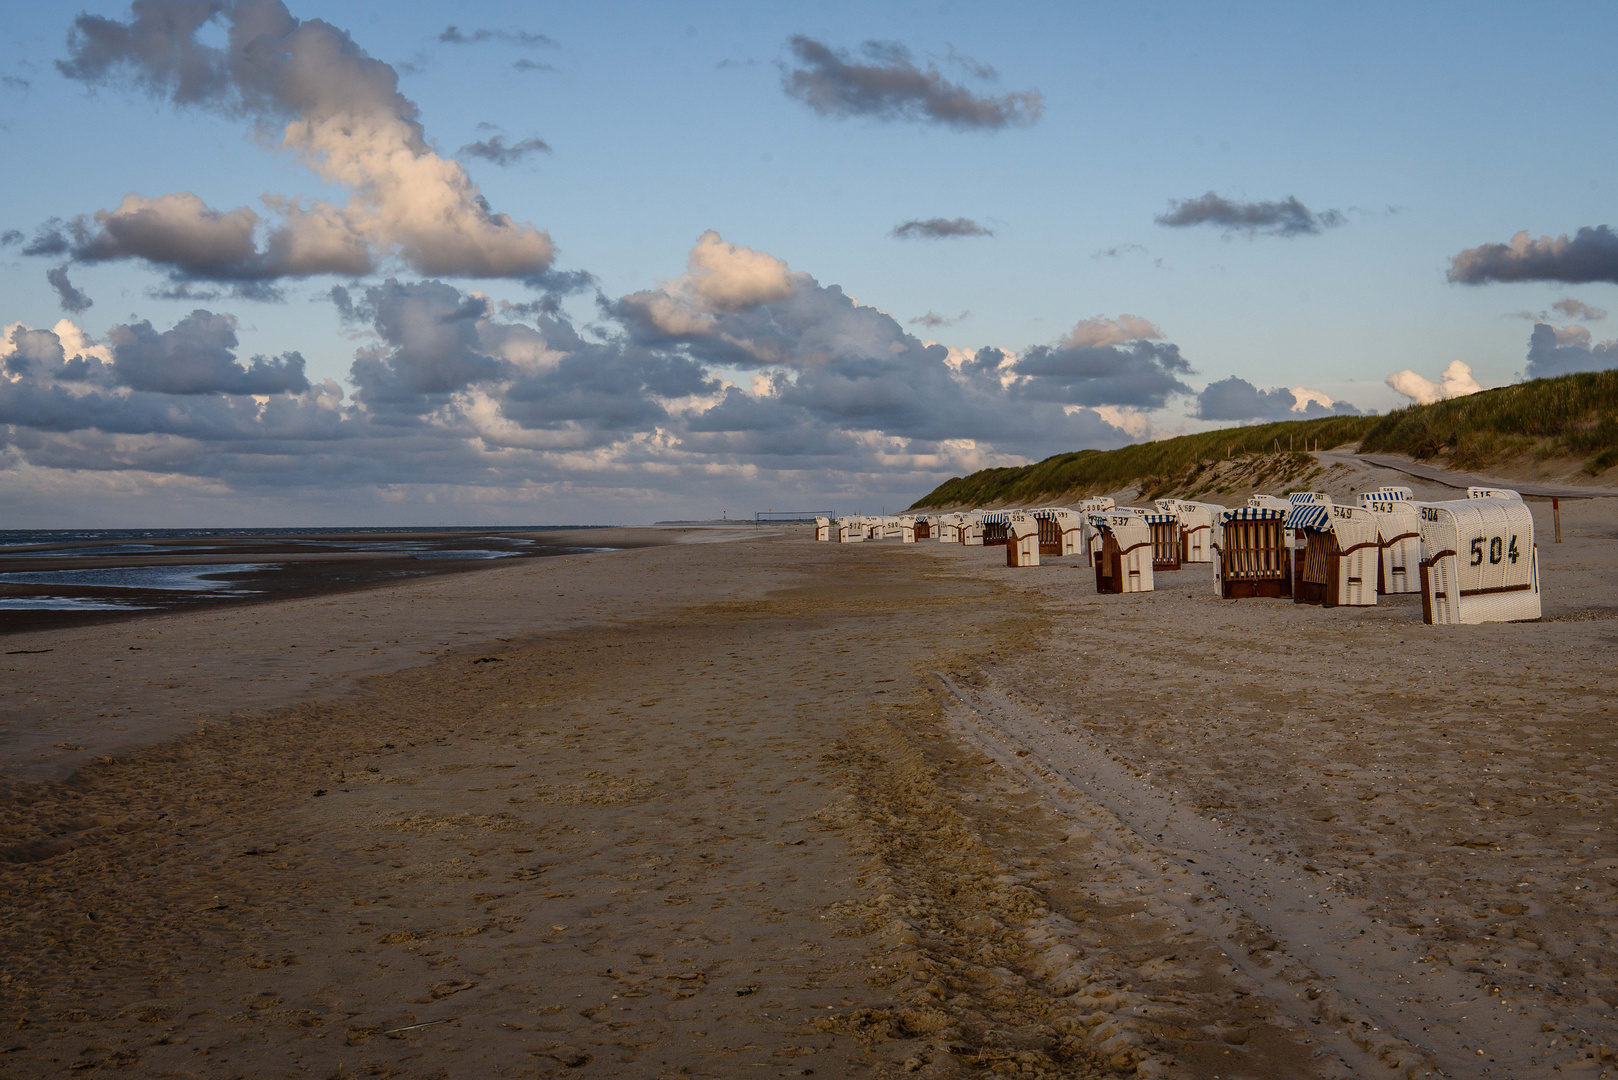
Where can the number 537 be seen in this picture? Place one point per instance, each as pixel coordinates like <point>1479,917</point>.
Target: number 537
<point>1498,550</point>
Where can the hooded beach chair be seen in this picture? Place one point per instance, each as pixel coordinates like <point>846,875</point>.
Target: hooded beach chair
<point>1478,561</point>
<point>822,528</point>
<point>1197,522</point>
<point>1022,539</point>
<point>1252,550</point>
<point>1123,561</point>
<point>1061,531</point>
<point>1165,528</point>
<point>1341,557</point>
<point>1398,527</point>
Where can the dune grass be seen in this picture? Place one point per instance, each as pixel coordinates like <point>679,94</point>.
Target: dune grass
<point>1147,465</point>
<point>1569,416</point>
<point>1572,416</point>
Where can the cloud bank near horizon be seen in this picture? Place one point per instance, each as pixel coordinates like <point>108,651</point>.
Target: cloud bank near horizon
<point>739,369</point>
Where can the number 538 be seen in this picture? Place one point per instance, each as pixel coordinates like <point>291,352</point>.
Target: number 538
<point>1498,549</point>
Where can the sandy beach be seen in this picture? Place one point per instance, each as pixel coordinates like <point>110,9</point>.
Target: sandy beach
<point>768,807</point>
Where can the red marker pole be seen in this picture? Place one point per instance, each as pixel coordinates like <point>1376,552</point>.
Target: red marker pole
<point>1556,512</point>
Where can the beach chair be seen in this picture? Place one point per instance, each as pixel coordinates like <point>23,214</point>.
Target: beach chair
<point>1478,561</point>
<point>1341,556</point>
<point>1123,562</point>
<point>969,533</point>
<point>907,530</point>
<point>1061,531</point>
<point>1022,539</point>
<point>1165,529</point>
<point>924,528</point>
<point>850,530</point>
<point>1196,527</point>
<point>822,529</point>
<point>994,528</point>
<point>1252,552</point>
<point>1398,525</point>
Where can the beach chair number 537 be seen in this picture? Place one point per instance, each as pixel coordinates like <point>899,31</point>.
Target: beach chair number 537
<point>1498,549</point>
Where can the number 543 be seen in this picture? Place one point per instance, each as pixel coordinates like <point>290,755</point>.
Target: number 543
<point>1498,549</point>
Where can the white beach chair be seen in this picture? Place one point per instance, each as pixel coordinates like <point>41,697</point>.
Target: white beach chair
<point>1398,526</point>
<point>1022,539</point>
<point>1342,555</point>
<point>1123,561</point>
<point>1478,561</point>
<point>822,529</point>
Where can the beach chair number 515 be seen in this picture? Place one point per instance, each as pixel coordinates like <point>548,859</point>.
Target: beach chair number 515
<point>1498,549</point>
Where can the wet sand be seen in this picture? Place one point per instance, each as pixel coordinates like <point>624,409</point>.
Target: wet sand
<point>773,808</point>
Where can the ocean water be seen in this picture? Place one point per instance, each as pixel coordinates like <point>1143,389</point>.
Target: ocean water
<point>67,603</point>
<point>134,541</point>
<point>203,578</point>
<point>94,558</point>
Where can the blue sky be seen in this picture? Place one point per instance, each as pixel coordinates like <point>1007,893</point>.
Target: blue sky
<point>1430,130</point>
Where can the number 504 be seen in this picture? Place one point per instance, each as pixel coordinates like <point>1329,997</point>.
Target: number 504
<point>1499,549</point>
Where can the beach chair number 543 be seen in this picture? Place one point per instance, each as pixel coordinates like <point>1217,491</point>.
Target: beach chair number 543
<point>1498,549</point>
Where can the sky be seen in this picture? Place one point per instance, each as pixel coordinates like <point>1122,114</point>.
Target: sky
<point>513,263</point>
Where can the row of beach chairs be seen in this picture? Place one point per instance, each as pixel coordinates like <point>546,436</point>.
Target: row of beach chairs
<point>1473,560</point>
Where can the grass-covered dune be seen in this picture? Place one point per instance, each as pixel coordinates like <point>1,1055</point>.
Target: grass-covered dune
<point>1574,416</point>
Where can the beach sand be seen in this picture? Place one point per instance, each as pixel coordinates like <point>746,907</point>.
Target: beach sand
<point>777,808</point>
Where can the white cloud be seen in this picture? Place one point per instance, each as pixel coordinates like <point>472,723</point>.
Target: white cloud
<point>1302,396</point>
<point>1457,382</point>
<point>1100,331</point>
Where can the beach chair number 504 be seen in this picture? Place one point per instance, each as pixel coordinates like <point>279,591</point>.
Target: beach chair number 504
<point>1497,551</point>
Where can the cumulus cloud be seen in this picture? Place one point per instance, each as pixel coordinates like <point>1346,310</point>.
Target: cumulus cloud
<point>67,294</point>
<point>1286,217</point>
<point>939,228</point>
<point>496,149</point>
<point>335,107</point>
<point>1556,351</point>
<point>1456,381</point>
<point>1590,255</point>
<point>720,278</point>
<point>11,237</point>
<point>887,85</point>
<point>198,356</point>
<point>1237,399</point>
<point>1101,331</point>
<point>1137,374</point>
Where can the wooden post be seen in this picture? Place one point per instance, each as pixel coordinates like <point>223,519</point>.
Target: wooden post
<point>1556,512</point>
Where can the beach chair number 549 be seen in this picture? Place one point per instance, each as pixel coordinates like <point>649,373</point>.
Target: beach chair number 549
<point>1498,549</point>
